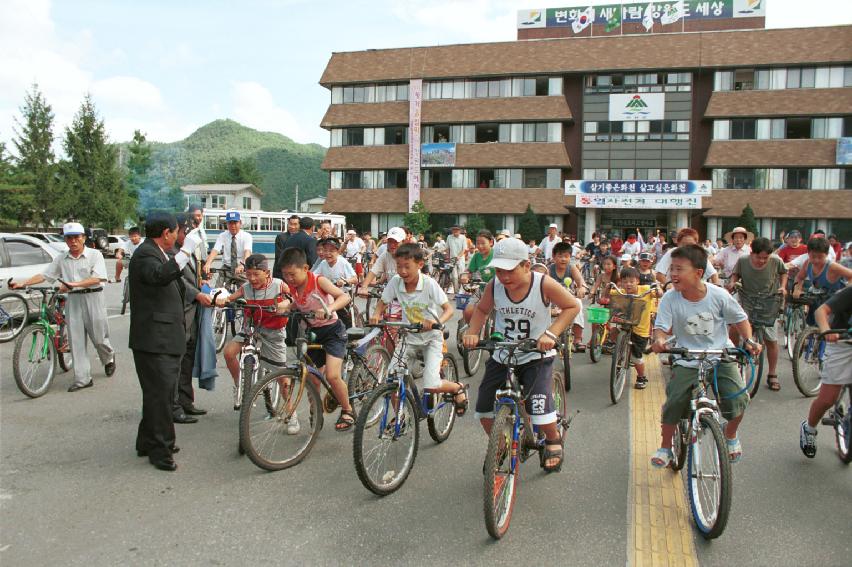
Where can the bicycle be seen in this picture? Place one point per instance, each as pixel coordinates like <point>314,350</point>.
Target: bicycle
<point>762,310</point>
<point>839,417</point>
<point>14,315</point>
<point>599,318</point>
<point>274,436</point>
<point>356,319</point>
<point>513,437</point>
<point>223,317</point>
<point>471,359</point>
<point>444,272</point>
<point>588,273</point>
<point>625,313</point>
<point>387,431</point>
<point>42,345</point>
<point>794,321</point>
<point>809,353</point>
<point>699,442</point>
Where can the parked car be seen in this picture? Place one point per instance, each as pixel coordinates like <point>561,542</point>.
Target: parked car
<point>54,240</point>
<point>97,238</point>
<point>23,256</point>
<point>116,241</point>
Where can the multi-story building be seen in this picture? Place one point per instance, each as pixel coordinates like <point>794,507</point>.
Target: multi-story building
<point>759,113</point>
<point>241,196</point>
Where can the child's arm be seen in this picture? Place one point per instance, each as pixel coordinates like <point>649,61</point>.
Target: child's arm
<point>838,270</point>
<point>483,308</point>
<point>341,299</point>
<point>378,312</point>
<point>446,315</point>
<point>581,283</point>
<point>555,293</point>
<point>800,279</point>
<point>284,306</point>
<point>222,300</point>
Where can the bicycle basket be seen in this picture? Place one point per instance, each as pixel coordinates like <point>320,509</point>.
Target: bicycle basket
<point>626,310</point>
<point>761,309</point>
<point>462,299</point>
<point>597,315</point>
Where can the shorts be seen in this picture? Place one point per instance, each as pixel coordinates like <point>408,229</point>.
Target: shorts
<point>770,334</point>
<point>837,368</point>
<point>359,269</point>
<point>536,380</point>
<point>433,355</point>
<point>679,392</point>
<point>637,347</point>
<point>580,319</point>
<point>273,350</point>
<point>333,340</point>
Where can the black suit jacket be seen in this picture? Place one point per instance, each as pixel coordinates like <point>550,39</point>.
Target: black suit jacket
<point>301,240</point>
<point>156,302</point>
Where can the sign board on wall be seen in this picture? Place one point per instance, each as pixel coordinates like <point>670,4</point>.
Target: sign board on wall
<point>636,106</point>
<point>415,103</point>
<point>438,155</point>
<point>638,202</point>
<point>638,187</point>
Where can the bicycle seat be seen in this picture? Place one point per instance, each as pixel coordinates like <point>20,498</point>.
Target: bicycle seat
<point>355,334</point>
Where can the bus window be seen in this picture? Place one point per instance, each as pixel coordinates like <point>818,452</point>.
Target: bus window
<point>265,223</point>
<point>211,223</point>
<point>222,224</point>
<point>277,224</point>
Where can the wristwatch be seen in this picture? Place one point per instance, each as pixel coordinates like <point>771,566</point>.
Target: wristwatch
<point>750,341</point>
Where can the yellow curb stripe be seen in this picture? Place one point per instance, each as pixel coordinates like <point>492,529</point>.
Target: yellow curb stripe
<point>660,531</point>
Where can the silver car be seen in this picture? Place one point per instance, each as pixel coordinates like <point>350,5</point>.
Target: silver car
<point>54,240</point>
<point>23,256</point>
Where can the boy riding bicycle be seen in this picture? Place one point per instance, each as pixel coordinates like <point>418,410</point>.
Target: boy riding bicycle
<point>698,314</point>
<point>837,369</point>
<point>421,298</point>
<point>521,301</point>
<point>561,268</point>
<point>641,333</point>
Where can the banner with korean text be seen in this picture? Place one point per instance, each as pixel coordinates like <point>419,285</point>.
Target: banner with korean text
<point>415,104</point>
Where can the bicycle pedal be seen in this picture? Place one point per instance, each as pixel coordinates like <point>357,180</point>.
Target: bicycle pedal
<point>829,420</point>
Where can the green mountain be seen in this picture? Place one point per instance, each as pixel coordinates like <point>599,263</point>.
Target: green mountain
<point>281,162</point>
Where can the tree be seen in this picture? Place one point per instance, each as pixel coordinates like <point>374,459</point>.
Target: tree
<point>418,219</point>
<point>530,226</point>
<point>36,161</point>
<point>235,170</point>
<point>747,220</point>
<point>16,199</point>
<point>92,175</point>
<point>146,186</point>
<point>474,224</point>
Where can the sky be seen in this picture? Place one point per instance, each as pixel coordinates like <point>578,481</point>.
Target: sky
<point>169,67</point>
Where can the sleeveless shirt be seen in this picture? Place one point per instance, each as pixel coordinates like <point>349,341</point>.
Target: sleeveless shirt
<point>527,318</point>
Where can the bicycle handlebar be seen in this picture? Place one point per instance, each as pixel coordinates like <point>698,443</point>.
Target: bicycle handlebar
<point>414,327</point>
<point>652,289</point>
<point>524,345</point>
<point>693,354</point>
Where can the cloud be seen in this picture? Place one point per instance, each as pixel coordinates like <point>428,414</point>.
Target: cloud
<point>254,106</point>
<point>130,92</point>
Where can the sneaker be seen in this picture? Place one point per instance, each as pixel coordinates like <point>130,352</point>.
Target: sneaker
<point>807,440</point>
<point>641,382</point>
<point>236,398</point>
<point>662,458</point>
<point>293,426</point>
<point>735,450</point>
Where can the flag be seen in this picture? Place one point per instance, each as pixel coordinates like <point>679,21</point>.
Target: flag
<point>648,17</point>
<point>615,21</point>
<point>673,13</point>
<point>583,20</point>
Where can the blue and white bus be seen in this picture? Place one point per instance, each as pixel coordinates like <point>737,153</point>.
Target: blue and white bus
<point>264,226</point>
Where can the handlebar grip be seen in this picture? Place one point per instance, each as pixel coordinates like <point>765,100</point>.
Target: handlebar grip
<point>679,350</point>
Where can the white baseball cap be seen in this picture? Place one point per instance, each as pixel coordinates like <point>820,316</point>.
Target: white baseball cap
<point>351,232</point>
<point>397,234</point>
<point>508,253</point>
<point>552,225</point>
<point>626,257</point>
<point>72,229</point>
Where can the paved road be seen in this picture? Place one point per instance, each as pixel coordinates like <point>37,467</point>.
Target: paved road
<point>73,491</point>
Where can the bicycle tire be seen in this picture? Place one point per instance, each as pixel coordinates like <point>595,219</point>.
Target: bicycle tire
<point>440,422</point>
<point>367,305</point>
<point>125,295</point>
<point>805,376</point>
<point>23,379</point>
<point>473,359</point>
<point>220,329</point>
<point>14,316</point>
<point>843,425</point>
<point>257,425</point>
<point>795,326</point>
<point>567,349</point>
<point>362,381</point>
<point>63,354</point>
<point>461,327</point>
<point>560,404</point>
<point>236,323</point>
<point>760,338</point>
<point>500,478</point>
<point>596,344</point>
<point>620,367</point>
<point>390,480</point>
<point>679,447</point>
<point>246,375</point>
<point>711,514</point>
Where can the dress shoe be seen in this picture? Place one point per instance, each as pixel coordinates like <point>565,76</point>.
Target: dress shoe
<point>109,369</point>
<point>144,453</point>
<point>166,464</point>
<point>75,387</point>
<point>192,410</point>
<point>183,418</point>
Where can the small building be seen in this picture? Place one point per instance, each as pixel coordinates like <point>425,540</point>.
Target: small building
<point>314,205</point>
<point>241,196</point>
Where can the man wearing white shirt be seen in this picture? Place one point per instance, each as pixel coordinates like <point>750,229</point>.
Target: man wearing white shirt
<point>685,236</point>
<point>549,241</point>
<point>737,248</point>
<point>234,245</point>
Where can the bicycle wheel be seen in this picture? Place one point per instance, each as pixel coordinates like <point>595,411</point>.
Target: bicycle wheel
<point>567,347</point>
<point>760,337</point>
<point>14,314</point>
<point>268,437</point>
<point>843,425</point>
<point>363,380</point>
<point>443,416</point>
<point>472,359</point>
<point>680,442</point>
<point>236,322</point>
<point>560,403</point>
<point>63,348</point>
<point>444,281</point>
<point>596,345</point>
<point>620,367</point>
<point>807,362</point>
<point>501,474</point>
<point>125,295</point>
<point>795,326</point>
<point>220,329</point>
<point>34,361</point>
<point>246,379</point>
<point>384,451</point>
<point>460,330</point>
<point>709,478</point>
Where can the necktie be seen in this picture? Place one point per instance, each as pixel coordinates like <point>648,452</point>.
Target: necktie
<point>233,253</point>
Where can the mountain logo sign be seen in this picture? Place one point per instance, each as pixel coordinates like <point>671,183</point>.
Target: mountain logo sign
<point>636,106</point>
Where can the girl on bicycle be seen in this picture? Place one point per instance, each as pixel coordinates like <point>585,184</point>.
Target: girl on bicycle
<point>479,263</point>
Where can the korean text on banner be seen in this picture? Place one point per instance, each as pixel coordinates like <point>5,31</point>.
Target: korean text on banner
<point>638,202</point>
<point>415,103</point>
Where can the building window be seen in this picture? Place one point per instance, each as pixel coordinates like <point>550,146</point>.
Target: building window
<point>487,133</point>
<point>354,94</point>
<point>353,137</point>
<point>395,135</point>
<point>535,178</point>
<point>247,203</point>
<point>396,179</point>
<point>216,202</point>
<point>437,178</point>
<point>388,221</point>
<point>797,178</point>
<point>798,128</point>
<point>743,129</point>
<point>738,178</point>
<point>351,180</point>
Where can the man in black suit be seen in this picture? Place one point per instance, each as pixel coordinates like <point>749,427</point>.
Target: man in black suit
<point>303,240</point>
<point>157,333</point>
<point>281,241</point>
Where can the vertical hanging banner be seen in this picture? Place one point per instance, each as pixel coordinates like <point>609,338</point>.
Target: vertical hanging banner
<point>415,104</point>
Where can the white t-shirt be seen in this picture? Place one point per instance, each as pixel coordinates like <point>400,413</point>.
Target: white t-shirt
<point>799,261</point>
<point>385,265</point>
<point>547,245</point>
<point>223,246</point>
<point>440,246</point>
<point>665,264</point>
<point>425,302</point>
<point>354,248</point>
<point>729,256</point>
<point>633,249</point>
<point>341,270</point>
<point>699,325</point>
<point>129,248</point>
<point>457,245</point>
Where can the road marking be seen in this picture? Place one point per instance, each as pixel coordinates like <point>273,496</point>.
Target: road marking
<point>114,316</point>
<point>660,531</point>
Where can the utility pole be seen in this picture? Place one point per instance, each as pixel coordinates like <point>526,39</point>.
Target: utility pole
<point>297,198</point>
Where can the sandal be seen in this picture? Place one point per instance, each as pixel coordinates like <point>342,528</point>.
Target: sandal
<point>735,449</point>
<point>555,453</point>
<point>579,347</point>
<point>461,406</point>
<point>346,421</point>
<point>772,382</point>
<point>662,458</point>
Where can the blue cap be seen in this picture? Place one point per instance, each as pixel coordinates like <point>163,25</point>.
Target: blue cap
<point>232,216</point>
